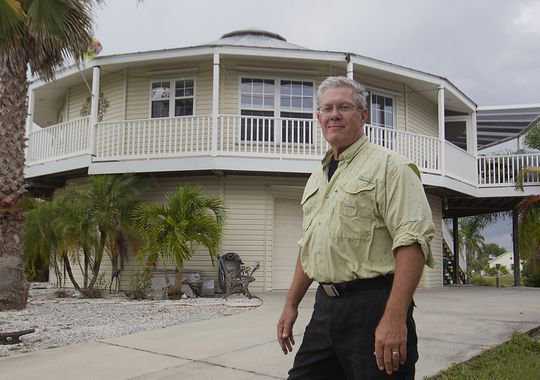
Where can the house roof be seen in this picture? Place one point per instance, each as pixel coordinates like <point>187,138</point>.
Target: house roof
<point>255,38</point>
<point>264,43</point>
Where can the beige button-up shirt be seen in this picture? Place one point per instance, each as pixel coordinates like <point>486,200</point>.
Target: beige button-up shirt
<point>374,203</point>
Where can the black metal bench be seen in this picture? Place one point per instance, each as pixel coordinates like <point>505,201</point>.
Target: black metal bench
<point>14,337</point>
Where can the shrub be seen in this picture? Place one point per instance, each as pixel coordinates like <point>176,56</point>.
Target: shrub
<point>480,281</point>
<point>533,279</point>
<point>139,284</point>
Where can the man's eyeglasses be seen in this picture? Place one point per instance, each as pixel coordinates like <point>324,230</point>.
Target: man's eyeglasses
<point>341,108</point>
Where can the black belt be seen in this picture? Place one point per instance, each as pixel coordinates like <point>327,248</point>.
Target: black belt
<point>339,289</point>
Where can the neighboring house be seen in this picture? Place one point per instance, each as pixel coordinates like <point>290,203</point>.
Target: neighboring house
<point>497,124</point>
<point>235,117</point>
<point>515,143</point>
<point>505,260</point>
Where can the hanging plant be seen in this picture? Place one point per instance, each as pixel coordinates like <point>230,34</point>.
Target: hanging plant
<point>102,107</point>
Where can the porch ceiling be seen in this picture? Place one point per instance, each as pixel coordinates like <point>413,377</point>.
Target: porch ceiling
<point>456,204</point>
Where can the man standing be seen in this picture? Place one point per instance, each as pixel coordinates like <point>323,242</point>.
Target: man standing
<point>367,227</point>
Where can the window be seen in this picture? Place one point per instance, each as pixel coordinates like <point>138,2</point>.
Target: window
<point>258,98</point>
<point>381,110</point>
<point>296,101</point>
<point>172,98</point>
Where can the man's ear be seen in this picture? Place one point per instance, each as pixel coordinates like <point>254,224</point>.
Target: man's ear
<point>365,116</point>
<point>318,116</point>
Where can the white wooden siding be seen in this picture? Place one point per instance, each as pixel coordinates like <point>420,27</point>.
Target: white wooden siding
<point>250,224</point>
<point>421,115</point>
<point>112,87</point>
<point>77,97</point>
<point>432,277</point>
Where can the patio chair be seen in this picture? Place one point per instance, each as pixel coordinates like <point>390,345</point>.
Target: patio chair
<point>234,276</point>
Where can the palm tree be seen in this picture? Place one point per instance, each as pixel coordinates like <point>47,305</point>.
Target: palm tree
<point>39,35</point>
<point>83,220</point>
<point>471,239</point>
<point>170,230</point>
<point>98,219</point>
<point>529,210</point>
<point>42,238</point>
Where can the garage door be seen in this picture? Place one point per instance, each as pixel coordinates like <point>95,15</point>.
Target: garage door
<point>287,232</point>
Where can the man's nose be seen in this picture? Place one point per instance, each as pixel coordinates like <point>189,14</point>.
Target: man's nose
<point>335,114</point>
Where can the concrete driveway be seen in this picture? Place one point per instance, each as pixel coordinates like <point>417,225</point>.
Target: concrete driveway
<point>453,325</point>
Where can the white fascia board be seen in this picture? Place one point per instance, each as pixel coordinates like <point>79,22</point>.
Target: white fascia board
<point>508,107</point>
<point>71,70</point>
<point>129,58</point>
<point>67,164</point>
<point>284,53</point>
<point>414,74</point>
<point>204,163</point>
<point>152,55</point>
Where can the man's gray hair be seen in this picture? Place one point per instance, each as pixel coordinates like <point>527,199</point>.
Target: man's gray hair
<point>358,91</point>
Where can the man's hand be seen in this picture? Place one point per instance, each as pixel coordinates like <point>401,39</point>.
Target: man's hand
<point>391,343</point>
<point>285,328</point>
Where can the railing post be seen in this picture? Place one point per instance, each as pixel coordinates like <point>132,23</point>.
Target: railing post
<point>215,103</point>
<point>94,109</point>
<point>442,138</point>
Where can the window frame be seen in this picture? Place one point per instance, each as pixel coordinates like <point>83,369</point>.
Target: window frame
<point>377,92</point>
<point>277,106</point>
<point>172,99</point>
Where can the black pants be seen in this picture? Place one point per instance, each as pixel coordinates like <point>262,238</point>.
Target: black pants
<point>339,341</point>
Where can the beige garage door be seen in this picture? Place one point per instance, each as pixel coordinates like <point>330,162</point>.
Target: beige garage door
<point>287,232</point>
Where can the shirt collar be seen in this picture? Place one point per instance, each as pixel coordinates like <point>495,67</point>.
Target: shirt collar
<point>348,154</point>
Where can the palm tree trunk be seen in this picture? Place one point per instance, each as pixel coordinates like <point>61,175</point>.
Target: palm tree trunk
<point>67,265</point>
<point>99,257</point>
<point>13,90</point>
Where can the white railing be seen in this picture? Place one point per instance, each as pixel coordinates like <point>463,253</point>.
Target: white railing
<point>59,141</point>
<point>153,138</point>
<point>503,170</point>
<point>270,136</point>
<point>257,136</point>
<point>460,164</point>
<point>420,149</point>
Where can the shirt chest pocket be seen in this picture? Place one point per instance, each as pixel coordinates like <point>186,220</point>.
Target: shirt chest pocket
<point>356,210</point>
<point>357,199</point>
<point>309,206</point>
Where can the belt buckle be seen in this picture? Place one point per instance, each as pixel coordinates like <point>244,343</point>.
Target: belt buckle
<point>330,290</point>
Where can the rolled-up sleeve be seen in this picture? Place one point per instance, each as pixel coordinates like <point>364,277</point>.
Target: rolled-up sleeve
<point>407,213</point>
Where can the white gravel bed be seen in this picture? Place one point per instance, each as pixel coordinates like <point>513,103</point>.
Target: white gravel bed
<point>63,321</point>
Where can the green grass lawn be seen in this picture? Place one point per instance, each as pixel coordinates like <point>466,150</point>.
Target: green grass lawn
<point>506,281</point>
<point>517,359</point>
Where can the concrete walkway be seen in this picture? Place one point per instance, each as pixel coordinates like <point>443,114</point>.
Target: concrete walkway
<point>453,324</point>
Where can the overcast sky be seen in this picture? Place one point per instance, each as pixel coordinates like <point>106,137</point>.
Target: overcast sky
<point>489,48</point>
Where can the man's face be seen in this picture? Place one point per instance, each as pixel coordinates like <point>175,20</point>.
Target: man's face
<point>342,122</point>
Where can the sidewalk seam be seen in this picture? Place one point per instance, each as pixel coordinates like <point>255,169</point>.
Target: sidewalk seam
<point>189,360</point>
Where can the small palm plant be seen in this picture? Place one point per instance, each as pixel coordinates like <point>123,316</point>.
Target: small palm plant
<point>169,231</point>
<point>83,222</point>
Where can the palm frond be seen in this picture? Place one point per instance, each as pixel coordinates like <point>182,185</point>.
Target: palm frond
<point>188,217</point>
<point>522,174</point>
